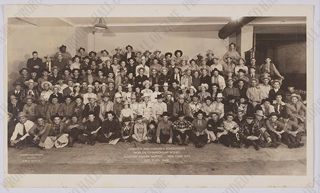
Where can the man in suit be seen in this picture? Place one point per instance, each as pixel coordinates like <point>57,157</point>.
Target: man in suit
<point>35,63</point>
<point>181,107</point>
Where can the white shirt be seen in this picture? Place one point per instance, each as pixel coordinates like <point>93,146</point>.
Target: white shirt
<point>19,130</point>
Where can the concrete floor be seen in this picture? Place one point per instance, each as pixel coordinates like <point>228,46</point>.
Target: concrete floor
<point>135,158</point>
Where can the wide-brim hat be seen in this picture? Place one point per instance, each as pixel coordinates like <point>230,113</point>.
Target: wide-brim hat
<point>165,114</point>
<point>92,96</point>
<point>193,88</point>
<point>165,84</point>
<point>274,114</point>
<point>295,95</point>
<point>200,112</point>
<point>178,51</point>
<point>167,54</point>
<point>46,82</point>
<point>129,46</point>
<point>22,69</point>
<point>22,114</point>
<point>230,114</point>
<point>126,119</point>
<point>62,141</point>
<point>56,115</point>
<point>159,96</point>
<point>139,117</point>
<point>241,70</point>
<point>30,81</point>
<point>117,95</point>
<point>219,95</point>
<point>146,82</point>
<point>206,86</point>
<point>215,112</point>
<point>259,113</point>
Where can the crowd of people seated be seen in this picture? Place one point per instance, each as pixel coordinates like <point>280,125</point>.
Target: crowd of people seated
<point>153,97</point>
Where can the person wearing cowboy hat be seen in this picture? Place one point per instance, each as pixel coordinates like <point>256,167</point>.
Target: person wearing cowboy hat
<point>230,135</point>
<point>126,130</point>
<point>268,67</point>
<point>168,56</point>
<point>186,78</point>
<point>129,53</point>
<point>275,129</point>
<point>35,63</point>
<point>92,106</point>
<point>207,106</point>
<point>232,53</point>
<point>214,126</point>
<point>296,110</point>
<point>292,135</point>
<point>159,107</point>
<point>292,90</point>
<point>193,65</point>
<point>241,75</point>
<point>164,132</point>
<point>198,135</point>
<point>89,94</point>
<point>250,135</point>
<point>146,85</point>
<point>216,64</point>
<point>67,108</point>
<point>279,105</point>
<point>140,130</point>
<point>230,89</point>
<point>218,106</point>
<point>241,65</point>
<point>228,66</point>
<point>53,107</point>
<point>195,105</point>
<point>14,107</point>
<point>58,127</point>
<point>181,130</point>
<point>178,57</point>
<point>267,107</point>
<point>141,77</point>
<point>56,92</point>
<point>106,105</point>
<point>265,86</point>
<point>63,52</point>
<point>143,65</point>
<point>218,79</point>
<point>118,55</point>
<point>59,62</point>
<point>18,91</point>
<point>29,108</point>
<point>20,136</point>
<point>165,76</point>
<point>24,75</point>
<point>103,57</point>
<point>155,64</point>
<point>46,90</point>
<point>117,104</point>
<point>276,89</point>
<point>126,112</point>
<point>155,93</point>
<point>254,93</point>
<point>259,126</point>
<point>39,132</point>
<point>203,94</point>
<point>41,108</point>
<point>180,106</point>
<point>209,59</point>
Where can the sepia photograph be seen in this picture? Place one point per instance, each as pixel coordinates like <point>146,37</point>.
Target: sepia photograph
<point>158,94</point>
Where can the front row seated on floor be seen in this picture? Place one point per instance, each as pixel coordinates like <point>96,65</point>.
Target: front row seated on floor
<point>254,130</point>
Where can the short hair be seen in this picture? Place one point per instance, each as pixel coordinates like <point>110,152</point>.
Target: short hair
<point>34,52</point>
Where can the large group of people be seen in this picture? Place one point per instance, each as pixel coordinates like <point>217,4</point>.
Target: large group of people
<point>153,97</point>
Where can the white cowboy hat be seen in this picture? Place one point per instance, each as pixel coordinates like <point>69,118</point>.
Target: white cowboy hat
<point>46,82</point>
<point>62,141</point>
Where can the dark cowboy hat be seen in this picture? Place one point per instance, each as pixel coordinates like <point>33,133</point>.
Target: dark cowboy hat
<point>110,112</point>
<point>215,69</point>
<point>78,97</point>
<point>22,69</point>
<point>76,56</point>
<point>139,117</point>
<point>241,70</point>
<point>168,53</point>
<point>274,114</point>
<point>104,51</point>
<point>53,97</point>
<point>199,56</point>
<point>250,116</point>
<point>56,115</point>
<point>129,46</point>
<point>62,46</point>
<point>192,60</point>
<point>73,70</point>
<point>178,51</point>
<point>126,119</point>
<point>92,52</point>
<point>165,114</point>
<point>208,98</point>
<point>159,96</point>
<point>67,96</point>
<point>200,112</point>
<point>230,114</point>
<point>86,57</point>
<point>81,48</point>
<point>132,59</point>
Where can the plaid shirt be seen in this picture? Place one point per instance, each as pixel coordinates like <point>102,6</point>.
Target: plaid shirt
<point>181,125</point>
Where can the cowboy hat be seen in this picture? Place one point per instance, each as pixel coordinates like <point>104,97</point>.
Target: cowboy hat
<point>30,81</point>
<point>167,54</point>
<point>22,69</point>
<point>129,46</point>
<point>46,82</point>
<point>295,95</point>
<point>230,114</point>
<point>199,112</point>
<point>219,95</point>
<point>259,113</point>
<point>165,114</point>
<point>62,141</point>
<point>22,114</point>
<point>206,86</point>
<point>178,51</point>
<point>159,96</point>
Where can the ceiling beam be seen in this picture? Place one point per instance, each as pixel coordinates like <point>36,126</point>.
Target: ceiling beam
<point>234,26</point>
